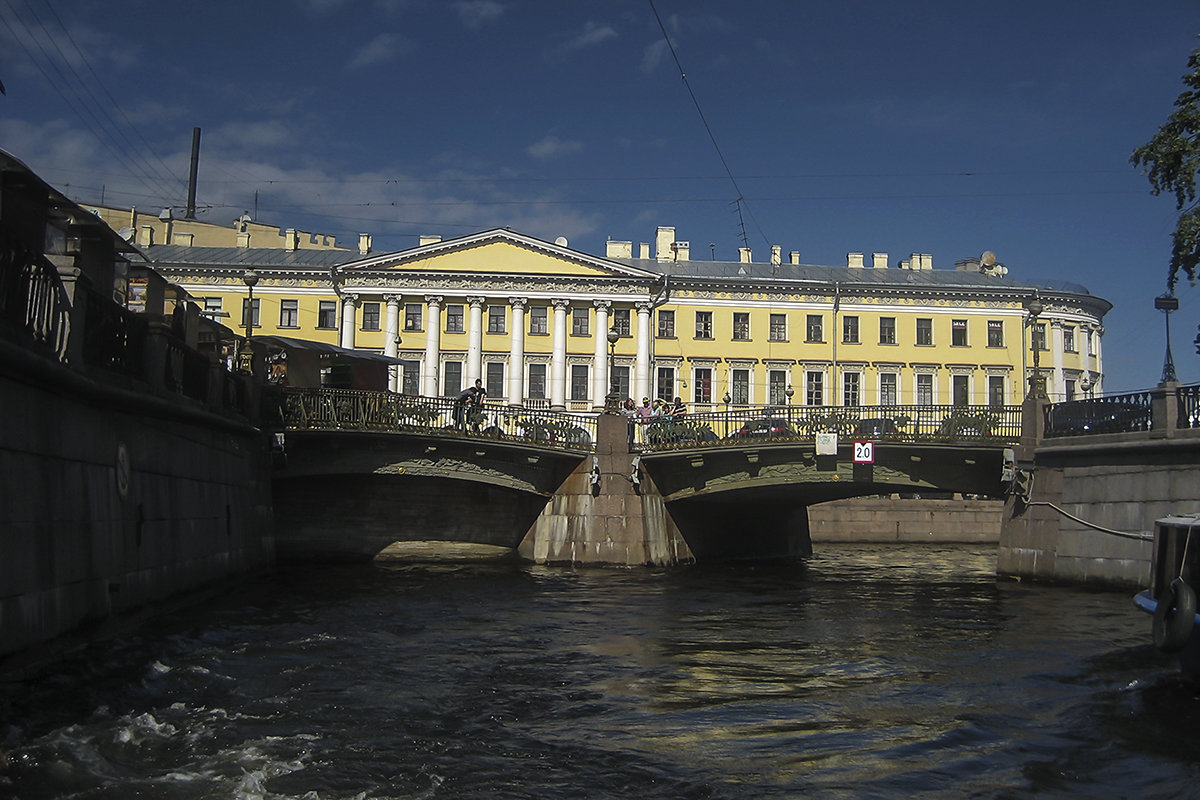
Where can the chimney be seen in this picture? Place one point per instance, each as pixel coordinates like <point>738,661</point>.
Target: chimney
<point>291,239</point>
<point>745,255</point>
<point>879,260</point>
<point>616,249</point>
<point>663,239</point>
<point>364,243</point>
<point>854,260</point>
<point>644,250</point>
<point>145,236</point>
<point>926,261</point>
<point>794,257</point>
<point>243,240</point>
<point>776,255</point>
<point>681,250</point>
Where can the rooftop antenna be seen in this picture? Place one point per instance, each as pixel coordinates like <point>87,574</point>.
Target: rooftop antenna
<point>191,199</point>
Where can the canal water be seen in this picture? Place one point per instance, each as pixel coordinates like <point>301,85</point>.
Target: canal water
<point>864,671</point>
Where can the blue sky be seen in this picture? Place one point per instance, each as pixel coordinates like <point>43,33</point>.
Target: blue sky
<point>948,128</point>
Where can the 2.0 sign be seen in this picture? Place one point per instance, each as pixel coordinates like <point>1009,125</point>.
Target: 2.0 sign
<point>864,452</point>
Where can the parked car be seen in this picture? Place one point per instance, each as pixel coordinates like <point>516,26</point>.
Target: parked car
<point>763,428</point>
<point>876,427</point>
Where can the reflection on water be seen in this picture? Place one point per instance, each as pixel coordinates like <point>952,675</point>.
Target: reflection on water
<point>866,671</point>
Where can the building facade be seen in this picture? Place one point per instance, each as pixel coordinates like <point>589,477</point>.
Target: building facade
<point>532,320</point>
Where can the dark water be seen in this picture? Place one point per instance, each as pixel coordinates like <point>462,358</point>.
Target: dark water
<point>869,671</point>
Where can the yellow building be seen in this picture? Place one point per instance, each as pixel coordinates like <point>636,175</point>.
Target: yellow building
<point>532,320</point>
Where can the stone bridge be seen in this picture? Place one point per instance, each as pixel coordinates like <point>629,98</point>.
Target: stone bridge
<point>357,471</point>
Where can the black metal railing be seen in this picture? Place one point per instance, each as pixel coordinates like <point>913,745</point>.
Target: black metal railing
<point>784,424</point>
<point>1118,413</point>
<point>1187,405</point>
<point>353,409</point>
<point>34,307</point>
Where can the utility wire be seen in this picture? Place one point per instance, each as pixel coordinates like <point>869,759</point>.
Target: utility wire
<point>741,199</point>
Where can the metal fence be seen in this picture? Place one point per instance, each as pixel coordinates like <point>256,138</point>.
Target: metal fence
<point>1118,413</point>
<point>912,423</point>
<point>353,409</point>
<point>33,304</point>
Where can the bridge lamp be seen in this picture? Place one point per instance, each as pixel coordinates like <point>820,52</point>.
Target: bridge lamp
<point>1167,303</point>
<point>1037,384</point>
<point>250,278</point>
<point>726,398</point>
<point>612,404</point>
<point>788,393</point>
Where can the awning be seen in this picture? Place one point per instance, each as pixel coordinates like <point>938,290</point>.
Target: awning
<point>287,343</point>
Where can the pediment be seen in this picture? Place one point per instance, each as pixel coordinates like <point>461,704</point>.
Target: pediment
<point>496,252</point>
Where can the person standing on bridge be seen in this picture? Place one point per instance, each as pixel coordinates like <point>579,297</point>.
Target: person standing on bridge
<point>464,401</point>
<point>644,410</point>
<point>475,412</point>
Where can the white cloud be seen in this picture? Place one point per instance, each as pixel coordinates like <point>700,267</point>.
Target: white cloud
<point>552,147</point>
<point>380,50</point>
<point>477,13</point>
<point>593,35</point>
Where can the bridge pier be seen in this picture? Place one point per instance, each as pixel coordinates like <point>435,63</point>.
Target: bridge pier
<point>607,512</point>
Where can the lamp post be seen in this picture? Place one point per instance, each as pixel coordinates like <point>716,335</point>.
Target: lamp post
<point>1167,303</point>
<point>250,278</point>
<point>1037,383</point>
<point>727,399</point>
<point>612,403</point>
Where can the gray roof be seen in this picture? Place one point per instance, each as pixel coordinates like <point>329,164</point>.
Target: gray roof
<point>861,276</point>
<point>242,257</point>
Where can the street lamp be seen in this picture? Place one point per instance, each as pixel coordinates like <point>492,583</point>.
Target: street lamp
<point>726,398</point>
<point>1037,384</point>
<point>250,278</point>
<point>1167,303</point>
<point>612,403</point>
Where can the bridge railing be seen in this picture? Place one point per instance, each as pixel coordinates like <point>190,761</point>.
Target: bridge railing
<point>898,423</point>
<point>1159,409</point>
<point>354,409</point>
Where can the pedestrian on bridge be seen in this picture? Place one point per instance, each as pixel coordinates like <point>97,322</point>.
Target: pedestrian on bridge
<point>465,399</point>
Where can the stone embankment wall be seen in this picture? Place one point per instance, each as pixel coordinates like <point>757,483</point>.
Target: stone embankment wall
<point>895,519</point>
<point>115,499</point>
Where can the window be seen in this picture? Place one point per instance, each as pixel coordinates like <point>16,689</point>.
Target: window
<point>620,378</point>
<point>1068,339</point>
<point>579,381</point>
<point>960,386</point>
<point>249,315</point>
<point>778,332</point>
<point>850,330</point>
<point>370,318</point>
<point>579,322</point>
<point>887,389</point>
<point>413,317</point>
<point>776,387</point>
<point>958,333</point>
<point>814,332</point>
<point>850,387</point>
<point>452,383</point>
<point>493,382</point>
<point>702,391</point>
<point>924,389</point>
<point>739,389</point>
<point>327,314</point>
<point>666,324</point>
<point>212,306</point>
<point>741,326</point>
<point>289,313</point>
<point>537,381</point>
<point>665,384</point>
<point>995,333</point>
<point>539,321</point>
<point>924,332</point>
<point>620,322</point>
<point>703,324</point>
<point>495,319</point>
<point>996,390</point>
<point>814,383</point>
<point>1070,388</point>
<point>887,330</point>
<point>454,319</point>
<point>410,377</point>
<point>1039,336</point>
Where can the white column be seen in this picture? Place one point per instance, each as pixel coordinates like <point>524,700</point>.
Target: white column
<point>516,352</point>
<point>433,331</point>
<point>349,306</point>
<point>391,343</point>
<point>600,361</point>
<point>1099,388</point>
<point>1057,389</point>
<point>641,386</point>
<point>474,340</point>
<point>558,361</point>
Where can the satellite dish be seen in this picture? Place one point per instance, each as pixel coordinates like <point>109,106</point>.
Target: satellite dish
<point>988,258</point>
<point>561,241</point>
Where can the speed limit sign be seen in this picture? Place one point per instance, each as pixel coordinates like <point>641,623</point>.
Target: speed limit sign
<point>864,452</point>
